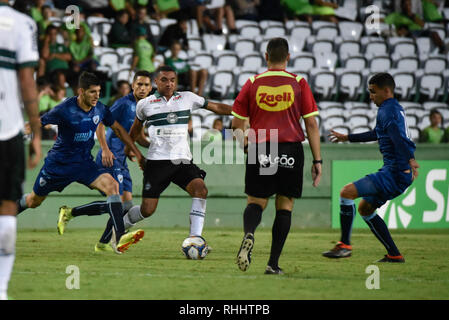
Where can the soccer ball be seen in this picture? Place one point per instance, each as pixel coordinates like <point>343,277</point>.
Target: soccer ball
<point>194,247</point>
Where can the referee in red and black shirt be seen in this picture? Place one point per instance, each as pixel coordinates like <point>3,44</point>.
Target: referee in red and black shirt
<point>274,102</point>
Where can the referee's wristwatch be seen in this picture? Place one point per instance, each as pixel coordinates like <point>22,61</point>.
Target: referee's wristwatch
<point>318,161</point>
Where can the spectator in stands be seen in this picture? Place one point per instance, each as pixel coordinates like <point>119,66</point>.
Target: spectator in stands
<point>54,56</point>
<point>431,12</point>
<point>82,51</point>
<point>120,5</point>
<point>166,8</point>
<point>143,57</point>
<point>245,9</point>
<point>119,36</point>
<point>187,77</point>
<point>307,9</point>
<point>446,135</point>
<point>433,133</point>
<point>272,10</point>
<point>51,97</point>
<point>42,25</point>
<point>211,19</point>
<point>36,11</point>
<point>123,89</point>
<point>141,21</point>
<point>176,31</point>
<point>71,36</point>
<point>215,133</point>
<point>409,24</point>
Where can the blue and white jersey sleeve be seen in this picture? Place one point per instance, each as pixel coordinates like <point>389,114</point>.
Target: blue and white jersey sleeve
<point>54,116</point>
<point>108,118</point>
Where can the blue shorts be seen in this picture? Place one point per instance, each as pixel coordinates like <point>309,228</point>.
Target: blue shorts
<point>119,171</point>
<point>386,184</point>
<point>55,176</point>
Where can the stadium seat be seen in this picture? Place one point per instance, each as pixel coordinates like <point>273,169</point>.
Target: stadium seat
<point>414,108</point>
<point>405,84</point>
<point>296,45</point>
<point>243,46</point>
<point>424,45</point>
<point>404,49</point>
<point>192,29</point>
<point>274,31</point>
<point>263,24</point>
<point>324,83</point>
<point>435,64</point>
<point>412,120</point>
<point>332,122</point>
<point>203,59</point>
<point>406,63</point>
<point>327,32</point>
<point>155,29</point>
<point>350,30</point>
<point>429,105</point>
<point>227,61</point>
<point>358,120</point>
<point>110,59</point>
<point>383,30</point>
<point>196,44</point>
<point>326,60</point>
<point>252,62</point>
<point>436,27</point>
<point>239,23</point>
<point>304,61</point>
<point>355,63</point>
<point>123,74</point>
<point>349,83</point>
<point>93,20</point>
<point>250,31</point>
<point>430,85</point>
<point>165,22</point>
<point>222,84</point>
<point>300,32</point>
<point>342,128</point>
<point>373,47</point>
<point>330,108</point>
<point>319,46</point>
<point>214,42</point>
<point>380,64</point>
<point>318,24</point>
<point>348,48</point>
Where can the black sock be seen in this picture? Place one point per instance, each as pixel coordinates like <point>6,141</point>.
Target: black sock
<point>279,233</point>
<point>347,214</point>
<point>91,209</point>
<point>380,230</point>
<point>107,234</point>
<point>251,217</point>
<point>115,209</point>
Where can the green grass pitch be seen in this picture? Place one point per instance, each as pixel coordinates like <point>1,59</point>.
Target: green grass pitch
<point>156,269</point>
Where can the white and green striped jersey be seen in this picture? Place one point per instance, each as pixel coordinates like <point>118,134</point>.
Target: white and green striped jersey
<point>167,123</point>
<point>18,49</point>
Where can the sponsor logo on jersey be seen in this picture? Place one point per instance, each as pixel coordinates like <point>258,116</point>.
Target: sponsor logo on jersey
<point>82,136</point>
<point>275,98</point>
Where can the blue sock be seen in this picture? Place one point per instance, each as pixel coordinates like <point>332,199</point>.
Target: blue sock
<point>347,214</point>
<point>380,230</point>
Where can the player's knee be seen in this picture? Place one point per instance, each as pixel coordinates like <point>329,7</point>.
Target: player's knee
<point>111,187</point>
<point>147,210</point>
<point>365,210</point>
<point>200,192</point>
<point>348,192</point>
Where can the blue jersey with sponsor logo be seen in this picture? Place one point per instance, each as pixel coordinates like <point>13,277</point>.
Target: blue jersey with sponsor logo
<point>76,130</point>
<point>124,111</point>
<point>395,143</point>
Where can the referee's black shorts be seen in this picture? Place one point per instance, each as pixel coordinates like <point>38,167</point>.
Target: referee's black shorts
<point>268,173</point>
<point>12,168</point>
<point>158,175</point>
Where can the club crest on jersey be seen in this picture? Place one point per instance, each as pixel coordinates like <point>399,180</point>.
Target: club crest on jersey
<point>42,182</point>
<point>96,119</point>
<point>120,178</point>
<point>172,118</point>
<point>275,98</point>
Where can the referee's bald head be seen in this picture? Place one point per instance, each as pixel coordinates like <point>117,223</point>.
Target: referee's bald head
<point>277,50</point>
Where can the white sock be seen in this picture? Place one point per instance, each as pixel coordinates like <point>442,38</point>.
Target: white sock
<point>197,214</point>
<point>8,226</point>
<point>132,217</point>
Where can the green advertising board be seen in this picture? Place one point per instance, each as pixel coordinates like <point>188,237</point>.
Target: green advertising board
<point>423,205</point>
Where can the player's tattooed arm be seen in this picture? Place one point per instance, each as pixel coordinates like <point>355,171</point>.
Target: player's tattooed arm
<point>107,157</point>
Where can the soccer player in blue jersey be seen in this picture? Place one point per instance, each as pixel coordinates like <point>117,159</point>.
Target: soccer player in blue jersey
<point>397,174</point>
<point>70,159</point>
<point>112,158</point>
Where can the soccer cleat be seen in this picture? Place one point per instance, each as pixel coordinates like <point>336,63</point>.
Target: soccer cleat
<point>244,255</point>
<point>340,250</point>
<point>128,239</point>
<point>270,270</point>
<point>103,247</point>
<point>388,258</point>
<point>65,215</point>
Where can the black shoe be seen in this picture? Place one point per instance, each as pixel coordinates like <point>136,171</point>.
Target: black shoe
<point>388,258</point>
<point>244,255</point>
<point>270,270</point>
<point>340,250</point>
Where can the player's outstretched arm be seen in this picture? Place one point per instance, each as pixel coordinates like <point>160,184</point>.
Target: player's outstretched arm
<point>219,108</point>
<point>29,97</point>
<point>129,142</point>
<point>336,137</point>
<point>107,157</point>
<point>313,135</point>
